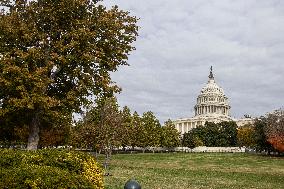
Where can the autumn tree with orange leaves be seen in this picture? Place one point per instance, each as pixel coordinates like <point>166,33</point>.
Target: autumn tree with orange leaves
<point>275,129</point>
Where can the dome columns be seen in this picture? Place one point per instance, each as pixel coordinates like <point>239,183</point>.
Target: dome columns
<point>212,109</point>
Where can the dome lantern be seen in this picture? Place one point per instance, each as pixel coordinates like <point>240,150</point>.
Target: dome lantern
<point>211,76</point>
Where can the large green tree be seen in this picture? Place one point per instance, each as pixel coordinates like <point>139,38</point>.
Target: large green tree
<point>228,133</point>
<point>138,137</point>
<point>127,127</point>
<point>54,55</point>
<point>170,137</point>
<point>103,125</point>
<point>84,134</point>
<point>152,130</point>
<point>212,134</point>
<point>194,137</point>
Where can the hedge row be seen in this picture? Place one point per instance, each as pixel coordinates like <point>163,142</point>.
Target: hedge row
<point>49,169</point>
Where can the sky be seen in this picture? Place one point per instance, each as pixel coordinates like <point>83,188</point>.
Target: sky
<point>178,42</point>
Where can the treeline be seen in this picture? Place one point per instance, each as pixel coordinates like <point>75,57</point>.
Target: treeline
<point>104,126</point>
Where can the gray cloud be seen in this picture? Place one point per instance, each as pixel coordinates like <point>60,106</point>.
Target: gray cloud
<point>179,40</point>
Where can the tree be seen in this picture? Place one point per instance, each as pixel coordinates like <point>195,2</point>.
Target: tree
<point>170,137</point>
<point>262,143</point>
<point>246,136</point>
<point>274,129</point>
<point>54,55</point>
<point>138,137</point>
<point>152,127</point>
<point>220,134</point>
<point>127,127</point>
<point>187,139</point>
<point>84,135</point>
<point>193,138</point>
<point>212,134</point>
<point>228,132</point>
<point>106,120</point>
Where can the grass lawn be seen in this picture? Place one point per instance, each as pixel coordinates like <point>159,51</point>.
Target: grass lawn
<point>196,170</point>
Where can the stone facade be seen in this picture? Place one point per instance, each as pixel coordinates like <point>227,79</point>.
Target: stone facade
<point>212,106</point>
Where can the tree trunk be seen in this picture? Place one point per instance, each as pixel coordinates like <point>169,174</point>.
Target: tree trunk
<point>33,133</point>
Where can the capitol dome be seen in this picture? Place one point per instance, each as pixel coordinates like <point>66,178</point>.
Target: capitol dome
<point>212,101</point>
<point>212,106</point>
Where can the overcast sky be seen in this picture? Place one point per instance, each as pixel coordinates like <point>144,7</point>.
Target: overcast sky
<point>178,42</point>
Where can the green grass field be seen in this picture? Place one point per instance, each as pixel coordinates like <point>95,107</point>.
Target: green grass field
<point>196,170</point>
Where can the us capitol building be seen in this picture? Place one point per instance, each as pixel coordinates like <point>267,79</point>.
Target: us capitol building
<point>212,106</point>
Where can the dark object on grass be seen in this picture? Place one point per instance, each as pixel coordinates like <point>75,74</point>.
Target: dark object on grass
<point>132,184</point>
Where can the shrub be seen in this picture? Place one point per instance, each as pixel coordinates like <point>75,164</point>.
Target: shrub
<point>49,169</point>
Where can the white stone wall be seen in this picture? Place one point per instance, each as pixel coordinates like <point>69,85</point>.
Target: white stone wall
<point>211,149</point>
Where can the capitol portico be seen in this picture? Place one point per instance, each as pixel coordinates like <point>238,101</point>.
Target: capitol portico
<point>212,106</point>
